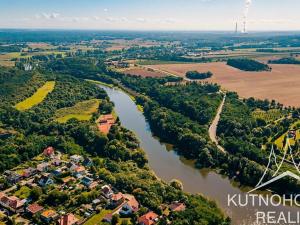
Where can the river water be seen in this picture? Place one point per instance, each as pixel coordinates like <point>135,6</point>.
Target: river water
<point>168,165</point>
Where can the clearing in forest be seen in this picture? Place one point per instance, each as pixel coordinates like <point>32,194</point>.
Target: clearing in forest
<point>281,140</point>
<point>37,97</point>
<point>82,111</point>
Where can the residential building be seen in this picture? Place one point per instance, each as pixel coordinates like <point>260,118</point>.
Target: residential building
<point>49,152</point>
<point>149,218</point>
<point>177,207</point>
<point>130,205</point>
<point>43,167</point>
<point>76,158</point>
<point>12,203</point>
<point>68,219</point>
<point>49,215</point>
<point>34,209</point>
<point>107,191</point>
<point>45,180</point>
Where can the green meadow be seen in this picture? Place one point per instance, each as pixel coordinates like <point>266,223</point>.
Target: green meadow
<point>82,111</point>
<point>37,97</point>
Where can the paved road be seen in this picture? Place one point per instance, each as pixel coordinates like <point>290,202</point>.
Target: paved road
<point>213,127</point>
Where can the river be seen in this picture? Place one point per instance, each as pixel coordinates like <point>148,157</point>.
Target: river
<point>168,165</point>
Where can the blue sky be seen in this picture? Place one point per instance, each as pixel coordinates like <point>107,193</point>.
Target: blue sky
<point>149,14</point>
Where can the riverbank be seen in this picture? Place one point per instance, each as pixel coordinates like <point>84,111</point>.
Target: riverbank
<point>168,165</point>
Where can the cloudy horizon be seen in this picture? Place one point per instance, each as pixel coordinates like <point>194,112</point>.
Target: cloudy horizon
<point>208,15</point>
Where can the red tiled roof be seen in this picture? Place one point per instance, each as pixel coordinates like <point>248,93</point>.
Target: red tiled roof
<point>105,123</point>
<point>68,219</point>
<point>117,197</point>
<point>48,151</point>
<point>132,202</point>
<point>148,219</point>
<point>177,207</point>
<point>34,208</point>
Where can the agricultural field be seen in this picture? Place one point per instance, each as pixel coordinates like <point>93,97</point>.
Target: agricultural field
<point>37,97</point>
<point>144,72</point>
<point>82,111</point>
<point>281,84</point>
<point>268,116</point>
<point>120,44</point>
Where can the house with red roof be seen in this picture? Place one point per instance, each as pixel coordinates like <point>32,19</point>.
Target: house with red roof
<point>177,207</point>
<point>130,205</point>
<point>12,203</point>
<point>68,219</point>
<point>149,218</point>
<point>117,199</point>
<point>34,208</point>
<point>49,152</point>
<point>105,122</point>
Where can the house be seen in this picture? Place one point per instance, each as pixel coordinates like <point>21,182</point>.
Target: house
<point>78,171</point>
<point>105,122</point>
<point>130,205</point>
<point>93,185</point>
<point>45,180</point>
<point>12,177</point>
<point>68,219</point>
<point>57,172</point>
<point>12,203</point>
<point>56,162</point>
<point>76,158</point>
<point>68,180</point>
<point>29,172</point>
<point>43,167</point>
<point>87,181</point>
<point>148,219</point>
<point>107,191</point>
<point>34,209</point>
<point>87,162</point>
<point>177,207</point>
<point>49,152</point>
<point>116,199</point>
<point>49,215</point>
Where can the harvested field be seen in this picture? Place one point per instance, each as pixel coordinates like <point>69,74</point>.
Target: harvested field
<point>144,72</point>
<point>282,84</point>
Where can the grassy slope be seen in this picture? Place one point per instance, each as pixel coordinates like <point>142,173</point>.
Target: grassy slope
<point>37,97</point>
<point>81,111</point>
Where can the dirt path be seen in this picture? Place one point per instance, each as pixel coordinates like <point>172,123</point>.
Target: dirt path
<point>213,127</point>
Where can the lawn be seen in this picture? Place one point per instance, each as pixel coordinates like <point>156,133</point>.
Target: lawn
<point>82,111</point>
<point>37,97</point>
<point>23,193</point>
<point>97,219</point>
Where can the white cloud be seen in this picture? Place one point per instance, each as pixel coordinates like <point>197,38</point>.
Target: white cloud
<point>48,16</point>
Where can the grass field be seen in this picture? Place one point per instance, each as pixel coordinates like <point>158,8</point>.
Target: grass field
<point>82,111</point>
<point>97,219</point>
<point>268,116</point>
<point>282,84</point>
<point>37,97</point>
